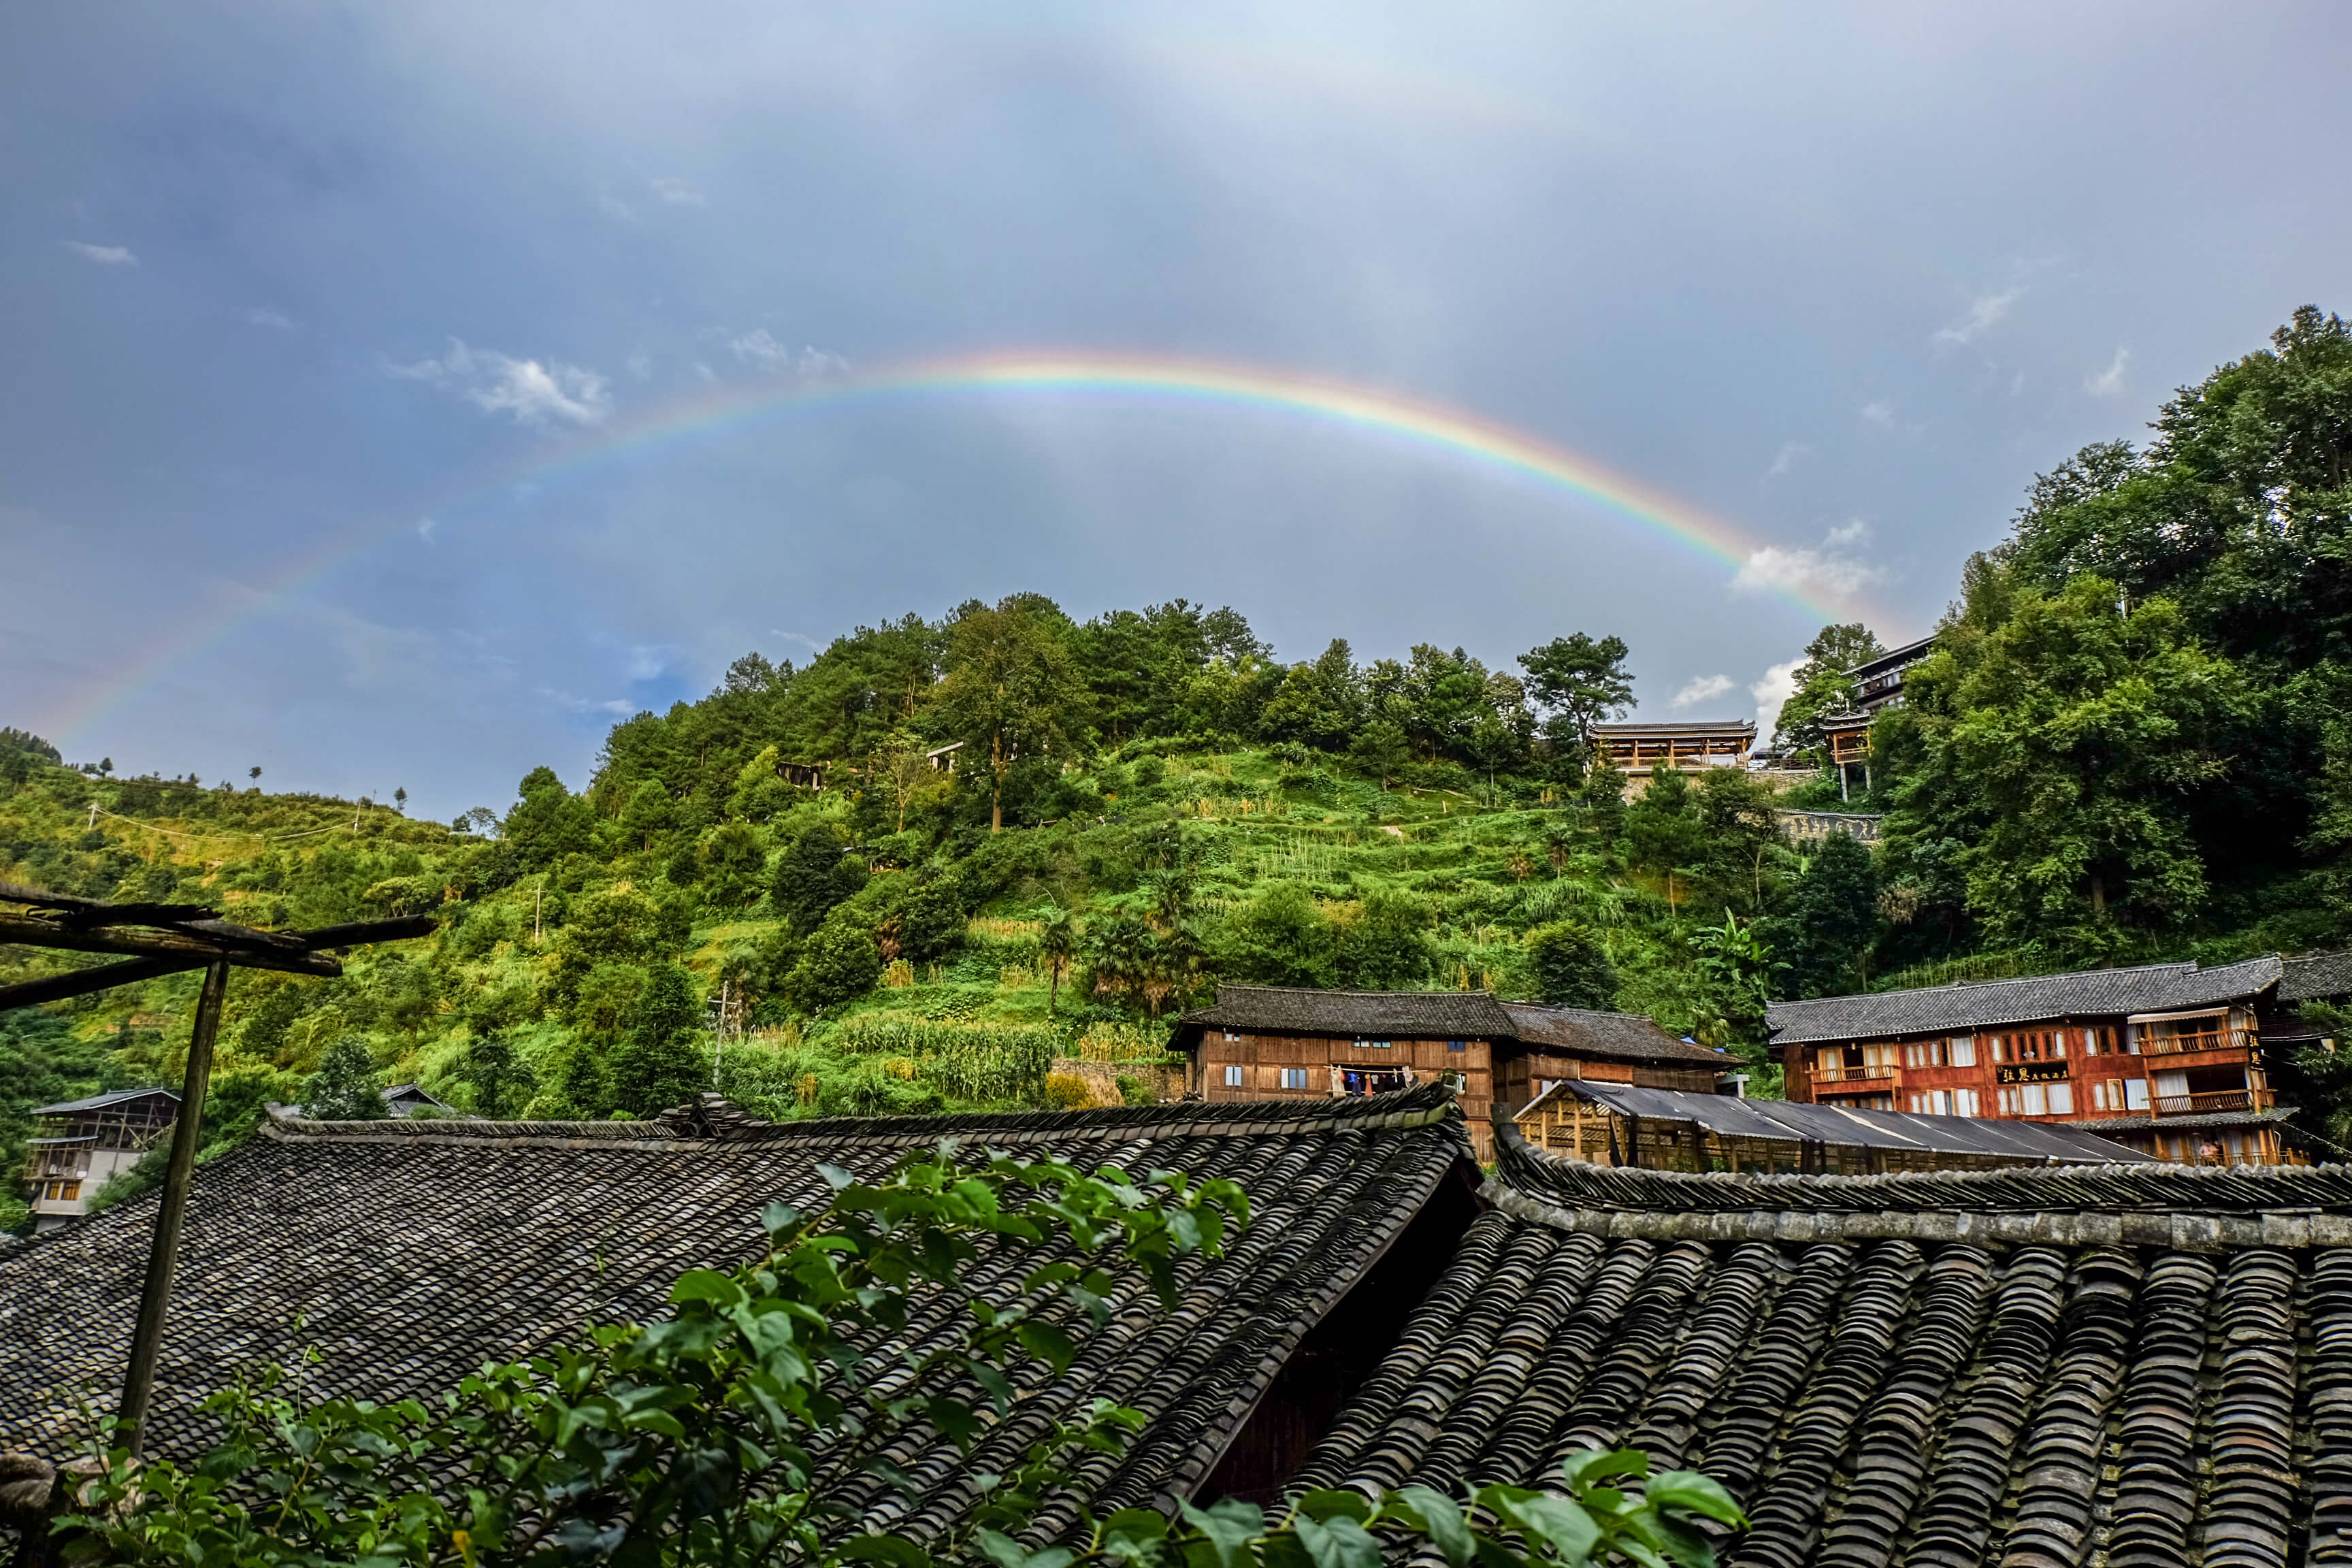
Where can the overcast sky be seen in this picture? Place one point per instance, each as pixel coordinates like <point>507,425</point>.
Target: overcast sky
<point>341,340</point>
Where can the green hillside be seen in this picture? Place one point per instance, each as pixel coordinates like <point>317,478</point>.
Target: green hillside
<point>2131,743</point>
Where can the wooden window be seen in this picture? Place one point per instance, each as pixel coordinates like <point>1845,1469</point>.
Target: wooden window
<point>1294,1078</point>
<point>1458,1045</point>
<point>1232,1075</point>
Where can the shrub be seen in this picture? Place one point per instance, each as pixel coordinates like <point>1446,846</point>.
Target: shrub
<point>1067,1091</point>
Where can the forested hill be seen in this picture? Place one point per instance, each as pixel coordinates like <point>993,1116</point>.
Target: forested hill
<point>2135,740</point>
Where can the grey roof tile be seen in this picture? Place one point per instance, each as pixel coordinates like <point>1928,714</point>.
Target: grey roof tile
<point>407,1252</point>
<point>1989,1003</point>
<point>1447,1014</point>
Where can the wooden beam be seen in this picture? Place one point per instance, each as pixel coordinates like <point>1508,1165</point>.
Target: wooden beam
<point>163,1256</point>
<point>82,981</point>
<point>294,959</point>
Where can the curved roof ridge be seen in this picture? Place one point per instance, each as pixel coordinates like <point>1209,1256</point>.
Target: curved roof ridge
<point>2188,1190</point>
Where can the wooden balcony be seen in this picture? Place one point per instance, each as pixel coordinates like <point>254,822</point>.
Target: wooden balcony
<point>1853,1074</point>
<point>2213,1039</point>
<point>2198,1104</point>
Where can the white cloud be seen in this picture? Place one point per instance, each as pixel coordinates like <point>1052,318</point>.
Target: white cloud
<point>261,316</point>
<point>1787,459</point>
<point>1702,689</point>
<point>2107,383</point>
<point>1829,567</point>
<point>425,527</point>
<point>1984,313</point>
<point>619,706</point>
<point>617,210</point>
<point>1776,685</point>
<point>677,193</point>
<point>795,636</point>
<point>1854,531</point>
<point>641,365</point>
<point>646,661</point>
<point>1880,412</point>
<point>762,349</point>
<point>533,392</point>
<point>101,255</point>
<point>1805,570</point>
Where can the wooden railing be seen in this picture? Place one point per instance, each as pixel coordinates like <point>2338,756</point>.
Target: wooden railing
<point>1852,1075</point>
<point>2224,1100</point>
<point>2219,1038</point>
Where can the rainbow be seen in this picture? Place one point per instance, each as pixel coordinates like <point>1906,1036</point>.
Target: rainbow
<point>1245,388</point>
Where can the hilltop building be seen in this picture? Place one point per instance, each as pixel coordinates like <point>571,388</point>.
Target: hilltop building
<point>1271,1042</point>
<point>84,1142</point>
<point>1684,747</point>
<point>2165,1057</point>
<point>1879,682</point>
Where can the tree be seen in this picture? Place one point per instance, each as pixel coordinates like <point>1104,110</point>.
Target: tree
<point>1382,749</point>
<point>660,1063</point>
<point>813,875</point>
<point>501,1081</point>
<point>650,811</point>
<point>346,1088</point>
<point>253,772</point>
<point>1011,689</point>
<point>1580,679</point>
<point>1572,967</point>
<point>548,821</point>
<point>731,860</point>
<point>399,799</point>
<point>2075,739</point>
<point>1386,945</point>
<point>839,963</point>
<point>1058,944</point>
<point>585,1088</point>
<point>1820,938</point>
<point>901,768</point>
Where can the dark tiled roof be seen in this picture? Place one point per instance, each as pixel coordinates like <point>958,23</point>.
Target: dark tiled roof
<point>1909,653</point>
<point>2032,1142</point>
<point>100,1101</point>
<point>2314,976</point>
<point>1445,1014</point>
<point>1618,1037</point>
<point>416,1249</point>
<point>1988,1004</point>
<point>1371,1015</point>
<point>1898,1384</point>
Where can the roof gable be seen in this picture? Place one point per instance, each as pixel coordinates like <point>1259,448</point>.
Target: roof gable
<point>1991,1004</point>
<point>1447,1014</point>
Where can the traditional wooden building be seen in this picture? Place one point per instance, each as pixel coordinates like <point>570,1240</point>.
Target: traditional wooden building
<point>1271,1042</point>
<point>1604,1123</point>
<point>1688,747</point>
<point>2165,1057</point>
<point>83,1142</point>
<point>1879,683</point>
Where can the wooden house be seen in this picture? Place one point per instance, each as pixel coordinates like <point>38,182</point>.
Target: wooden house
<point>82,1143</point>
<point>1686,747</point>
<point>1878,683</point>
<point>2165,1057</point>
<point>1271,1042</point>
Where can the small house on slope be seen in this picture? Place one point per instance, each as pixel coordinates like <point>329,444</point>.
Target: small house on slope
<point>1277,1042</point>
<point>82,1143</point>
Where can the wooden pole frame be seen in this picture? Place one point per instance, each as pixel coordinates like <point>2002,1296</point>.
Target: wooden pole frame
<point>163,1255</point>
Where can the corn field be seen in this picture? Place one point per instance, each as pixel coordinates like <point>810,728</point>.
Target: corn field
<point>964,1062</point>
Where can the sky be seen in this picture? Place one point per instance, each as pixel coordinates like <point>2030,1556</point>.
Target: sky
<point>397,395</point>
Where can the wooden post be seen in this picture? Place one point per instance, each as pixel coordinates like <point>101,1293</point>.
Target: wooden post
<point>164,1257</point>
